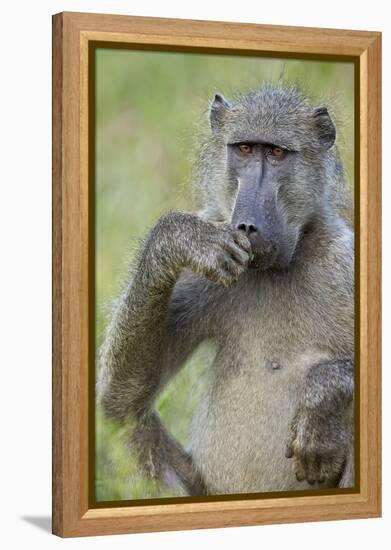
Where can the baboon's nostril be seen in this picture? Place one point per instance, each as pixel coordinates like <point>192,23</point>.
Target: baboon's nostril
<point>247,228</point>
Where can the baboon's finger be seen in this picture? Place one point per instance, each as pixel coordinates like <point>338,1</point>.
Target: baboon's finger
<point>313,468</point>
<point>325,473</point>
<point>242,241</point>
<point>289,450</point>
<point>300,468</point>
<point>238,254</point>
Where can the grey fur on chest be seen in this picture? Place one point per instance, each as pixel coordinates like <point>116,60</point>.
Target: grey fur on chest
<point>271,314</point>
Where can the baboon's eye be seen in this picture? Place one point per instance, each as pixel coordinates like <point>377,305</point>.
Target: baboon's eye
<point>245,148</point>
<point>277,152</point>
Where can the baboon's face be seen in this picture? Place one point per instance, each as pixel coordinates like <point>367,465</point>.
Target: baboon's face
<point>259,167</point>
<point>275,146</point>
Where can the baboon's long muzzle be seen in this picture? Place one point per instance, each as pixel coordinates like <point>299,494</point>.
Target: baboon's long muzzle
<point>256,214</point>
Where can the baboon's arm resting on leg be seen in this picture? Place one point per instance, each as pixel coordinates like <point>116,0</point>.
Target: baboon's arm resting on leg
<point>321,436</point>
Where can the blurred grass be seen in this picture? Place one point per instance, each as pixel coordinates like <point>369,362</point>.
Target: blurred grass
<point>149,106</point>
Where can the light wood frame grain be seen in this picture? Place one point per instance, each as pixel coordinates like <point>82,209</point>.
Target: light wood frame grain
<point>73,514</point>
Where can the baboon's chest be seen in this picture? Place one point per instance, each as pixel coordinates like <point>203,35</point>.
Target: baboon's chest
<point>273,324</point>
<point>266,354</point>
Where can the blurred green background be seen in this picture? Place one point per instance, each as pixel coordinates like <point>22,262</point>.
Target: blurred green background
<point>150,107</point>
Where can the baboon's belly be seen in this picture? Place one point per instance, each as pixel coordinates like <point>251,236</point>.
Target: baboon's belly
<point>242,426</point>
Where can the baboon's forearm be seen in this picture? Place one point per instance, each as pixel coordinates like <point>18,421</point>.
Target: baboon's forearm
<point>132,355</point>
<point>134,358</point>
<point>138,342</point>
<point>330,385</point>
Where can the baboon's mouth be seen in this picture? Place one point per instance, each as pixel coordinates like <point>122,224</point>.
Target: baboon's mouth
<point>262,261</point>
<point>273,259</point>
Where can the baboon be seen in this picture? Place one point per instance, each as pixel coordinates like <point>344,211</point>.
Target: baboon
<point>264,272</point>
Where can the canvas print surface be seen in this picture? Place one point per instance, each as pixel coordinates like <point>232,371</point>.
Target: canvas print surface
<point>224,267</point>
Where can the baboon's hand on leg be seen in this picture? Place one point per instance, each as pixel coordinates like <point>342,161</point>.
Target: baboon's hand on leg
<point>321,433</point>
<point>319,446</point>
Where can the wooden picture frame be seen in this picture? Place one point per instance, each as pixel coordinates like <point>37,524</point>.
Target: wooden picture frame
<point>74,37</point>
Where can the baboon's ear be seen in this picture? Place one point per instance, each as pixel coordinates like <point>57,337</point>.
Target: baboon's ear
<point>218,110</point>
<point>325,127</point>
